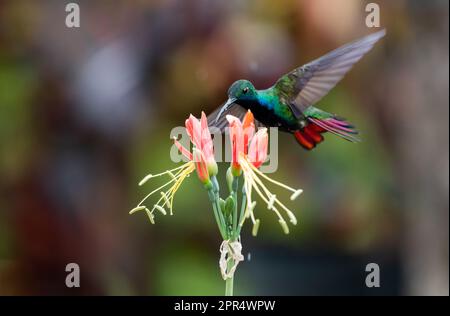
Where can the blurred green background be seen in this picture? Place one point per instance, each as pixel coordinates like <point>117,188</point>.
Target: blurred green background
<point>85,113</point>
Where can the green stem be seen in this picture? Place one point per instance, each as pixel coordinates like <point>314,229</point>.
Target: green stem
<point>235,215</point>
<point>242,213</point>
<point>217,212</point>
<point>229,231</point>
<point>222,219</point>
<point>230,281</point>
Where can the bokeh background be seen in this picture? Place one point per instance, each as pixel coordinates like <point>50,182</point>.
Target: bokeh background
<point>85,113</point>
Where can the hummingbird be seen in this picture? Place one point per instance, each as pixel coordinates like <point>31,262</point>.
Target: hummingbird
<point>289,103</point>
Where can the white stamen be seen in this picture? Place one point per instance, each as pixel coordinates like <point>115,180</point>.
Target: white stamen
<point>255,181</point>
<point>151,217</point>
<point>284,226</point>
<point>166,199</point>
<point>160,208</point>
<point>292,217</point>
<point>270,179</point>
<point>139,208</point>
<point>146,178</point>
<point>272,200</point>
<point>187,168</point>
<point>149,176</point>
<point>250,209</point>
<point>296,194</point>
<point>255,228</point>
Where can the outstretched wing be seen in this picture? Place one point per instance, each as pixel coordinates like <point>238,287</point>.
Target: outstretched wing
<point>309,83</point>
<point>235,110</point>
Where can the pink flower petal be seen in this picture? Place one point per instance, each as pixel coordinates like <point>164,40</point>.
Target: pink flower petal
<point>183,149</point>
<point>257,152</point>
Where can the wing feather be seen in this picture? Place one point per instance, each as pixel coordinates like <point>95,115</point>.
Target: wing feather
<point>309,83</point>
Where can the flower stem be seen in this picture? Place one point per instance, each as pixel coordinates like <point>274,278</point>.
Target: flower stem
<point>217,212</point>
<point>235,215</point>
<point>223,222</point>
<point>229,229</point>
<point>242,213</point>
<point>230,281</point>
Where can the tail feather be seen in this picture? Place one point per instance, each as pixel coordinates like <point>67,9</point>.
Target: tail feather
<point>314,135</point>
<point>309,136</point>
<point>304,140</point>
<point>338,127</point>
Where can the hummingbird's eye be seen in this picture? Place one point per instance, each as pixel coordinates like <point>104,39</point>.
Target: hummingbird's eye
<point>245,90</point>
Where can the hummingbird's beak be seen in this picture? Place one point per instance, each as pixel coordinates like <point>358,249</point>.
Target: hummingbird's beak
<point>225,107</point>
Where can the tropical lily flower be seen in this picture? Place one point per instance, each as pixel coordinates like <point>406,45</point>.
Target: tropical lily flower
<point>240,135</point>
<point>249,152</point>
<point>200,136</point>
<point>201,166</point>
<point>202,160</point>
<point>249,161</point>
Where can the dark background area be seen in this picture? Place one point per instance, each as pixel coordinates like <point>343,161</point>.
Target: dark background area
<point>86,112</point>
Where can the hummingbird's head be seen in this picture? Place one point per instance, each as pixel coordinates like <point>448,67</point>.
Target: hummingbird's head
<point>241,90</point>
